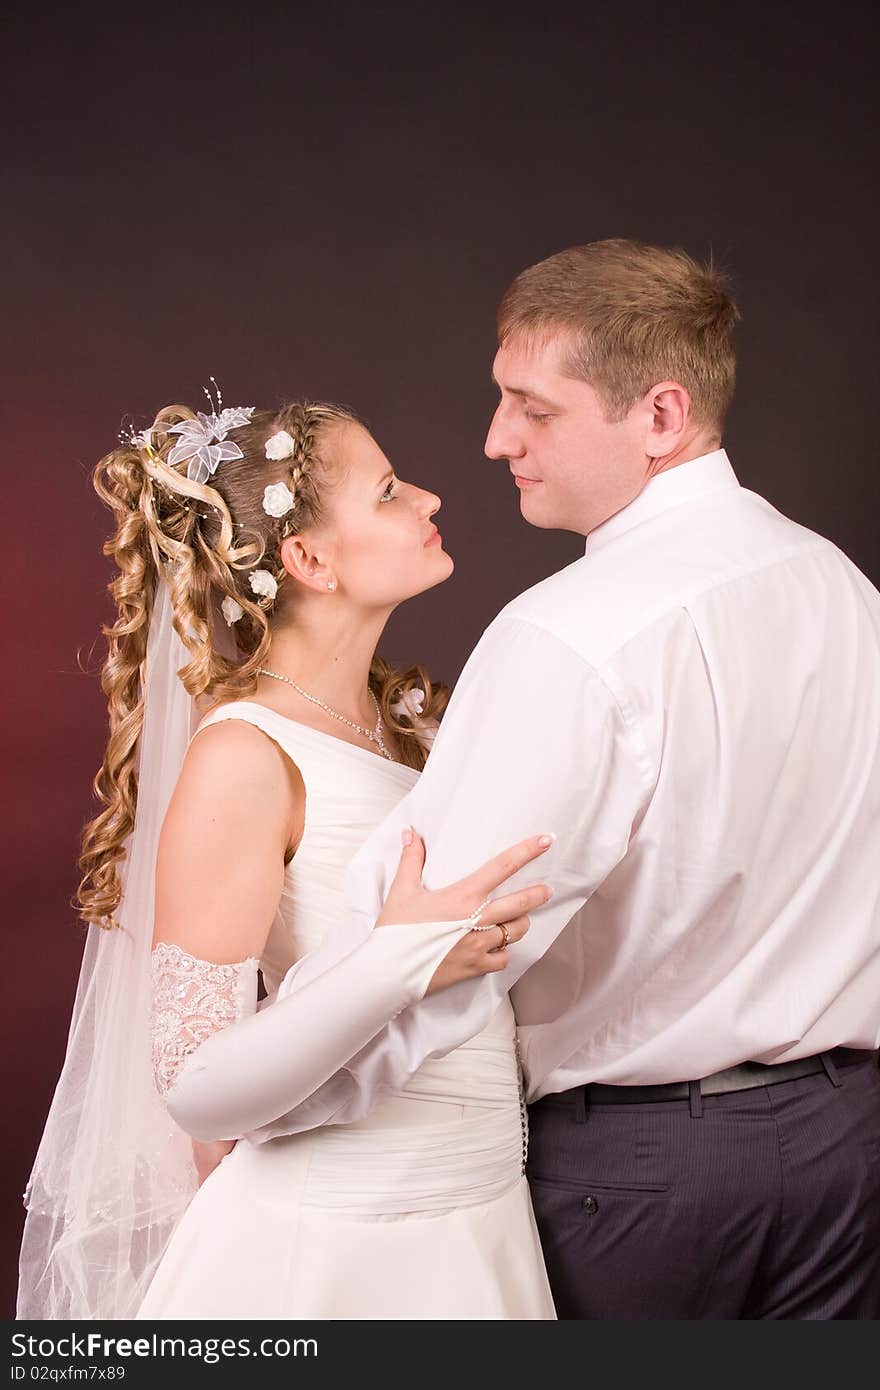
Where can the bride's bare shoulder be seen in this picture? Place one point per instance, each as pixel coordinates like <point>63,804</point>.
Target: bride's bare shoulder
<point>233,822</point>
<point>236,772</point>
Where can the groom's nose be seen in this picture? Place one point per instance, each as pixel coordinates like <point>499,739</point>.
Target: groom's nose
<point>502,441</point>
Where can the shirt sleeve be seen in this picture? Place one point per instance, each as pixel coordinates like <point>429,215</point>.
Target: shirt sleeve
<point>533,741</point>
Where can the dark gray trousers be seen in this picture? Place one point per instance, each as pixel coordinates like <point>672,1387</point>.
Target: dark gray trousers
<point>755,1204</point>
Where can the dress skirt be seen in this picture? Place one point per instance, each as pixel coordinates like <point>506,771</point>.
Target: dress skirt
<point>421,1211</point>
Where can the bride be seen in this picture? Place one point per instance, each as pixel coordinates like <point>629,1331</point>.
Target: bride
<point>260,555</point>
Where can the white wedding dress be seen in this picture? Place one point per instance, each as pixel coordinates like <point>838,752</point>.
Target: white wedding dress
<point>422,1209</point>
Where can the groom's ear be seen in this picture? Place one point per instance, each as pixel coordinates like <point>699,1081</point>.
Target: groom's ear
<point>668,411</point>
<point>304,559</point>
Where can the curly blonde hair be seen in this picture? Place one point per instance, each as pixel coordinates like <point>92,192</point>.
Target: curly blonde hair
<point>214,534</point>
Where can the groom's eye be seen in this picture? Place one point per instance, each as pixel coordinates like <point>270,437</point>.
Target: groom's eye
<point>534,415</point>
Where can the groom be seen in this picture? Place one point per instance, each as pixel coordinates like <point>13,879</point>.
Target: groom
<point>693,708</point>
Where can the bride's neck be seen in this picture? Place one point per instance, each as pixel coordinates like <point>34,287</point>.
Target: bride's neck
<point>327,649</point>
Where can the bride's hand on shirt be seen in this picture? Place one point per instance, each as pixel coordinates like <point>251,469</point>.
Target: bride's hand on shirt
<point>478,952</point>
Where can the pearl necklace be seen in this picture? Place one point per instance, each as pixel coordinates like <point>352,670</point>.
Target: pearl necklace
<point>374,735</point>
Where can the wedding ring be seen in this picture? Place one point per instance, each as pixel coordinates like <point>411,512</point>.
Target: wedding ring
<point>505,936</point>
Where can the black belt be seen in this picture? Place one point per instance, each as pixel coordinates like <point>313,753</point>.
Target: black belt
<point>741,1078</point>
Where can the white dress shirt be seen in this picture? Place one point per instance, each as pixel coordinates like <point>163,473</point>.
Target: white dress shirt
<point>694,709</point>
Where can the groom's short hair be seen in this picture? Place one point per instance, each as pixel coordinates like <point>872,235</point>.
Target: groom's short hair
<point>631,315</point>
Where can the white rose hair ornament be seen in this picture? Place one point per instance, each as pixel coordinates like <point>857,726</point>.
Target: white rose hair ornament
<point>410,706</point>
<point>278,499</point>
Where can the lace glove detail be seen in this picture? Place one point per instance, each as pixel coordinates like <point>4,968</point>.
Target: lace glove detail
<point>193,999</point>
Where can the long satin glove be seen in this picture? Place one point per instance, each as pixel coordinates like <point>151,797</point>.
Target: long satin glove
<point>221,1084</point>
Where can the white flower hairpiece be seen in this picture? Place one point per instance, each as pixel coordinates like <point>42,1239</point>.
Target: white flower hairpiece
<point>280,445</point>
<point>410,705</point>
<point>278,499</point>
<point>262,582</point>
<point>231,610</point>
<point>203,440</point>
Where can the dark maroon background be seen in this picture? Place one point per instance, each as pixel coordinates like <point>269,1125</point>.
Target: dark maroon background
<point>330,206</point>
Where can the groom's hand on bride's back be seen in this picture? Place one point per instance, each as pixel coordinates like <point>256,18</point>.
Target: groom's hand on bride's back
<point>479,952</point>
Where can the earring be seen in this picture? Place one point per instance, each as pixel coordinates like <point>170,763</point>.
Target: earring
<point>331,584</point>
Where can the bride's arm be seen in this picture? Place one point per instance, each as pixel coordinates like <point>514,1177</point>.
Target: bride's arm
<point>235,816</point>
<point>257,1065</point>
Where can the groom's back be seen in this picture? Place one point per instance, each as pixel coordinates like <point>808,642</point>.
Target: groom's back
<point>744,652</point>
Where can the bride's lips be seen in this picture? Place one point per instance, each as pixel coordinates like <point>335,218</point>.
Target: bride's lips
<point>435,538</point>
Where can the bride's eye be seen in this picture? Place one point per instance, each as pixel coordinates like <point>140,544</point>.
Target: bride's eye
<point>388,494</point>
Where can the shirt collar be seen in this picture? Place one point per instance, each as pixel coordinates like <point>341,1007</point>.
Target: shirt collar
<point>683,483</point>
